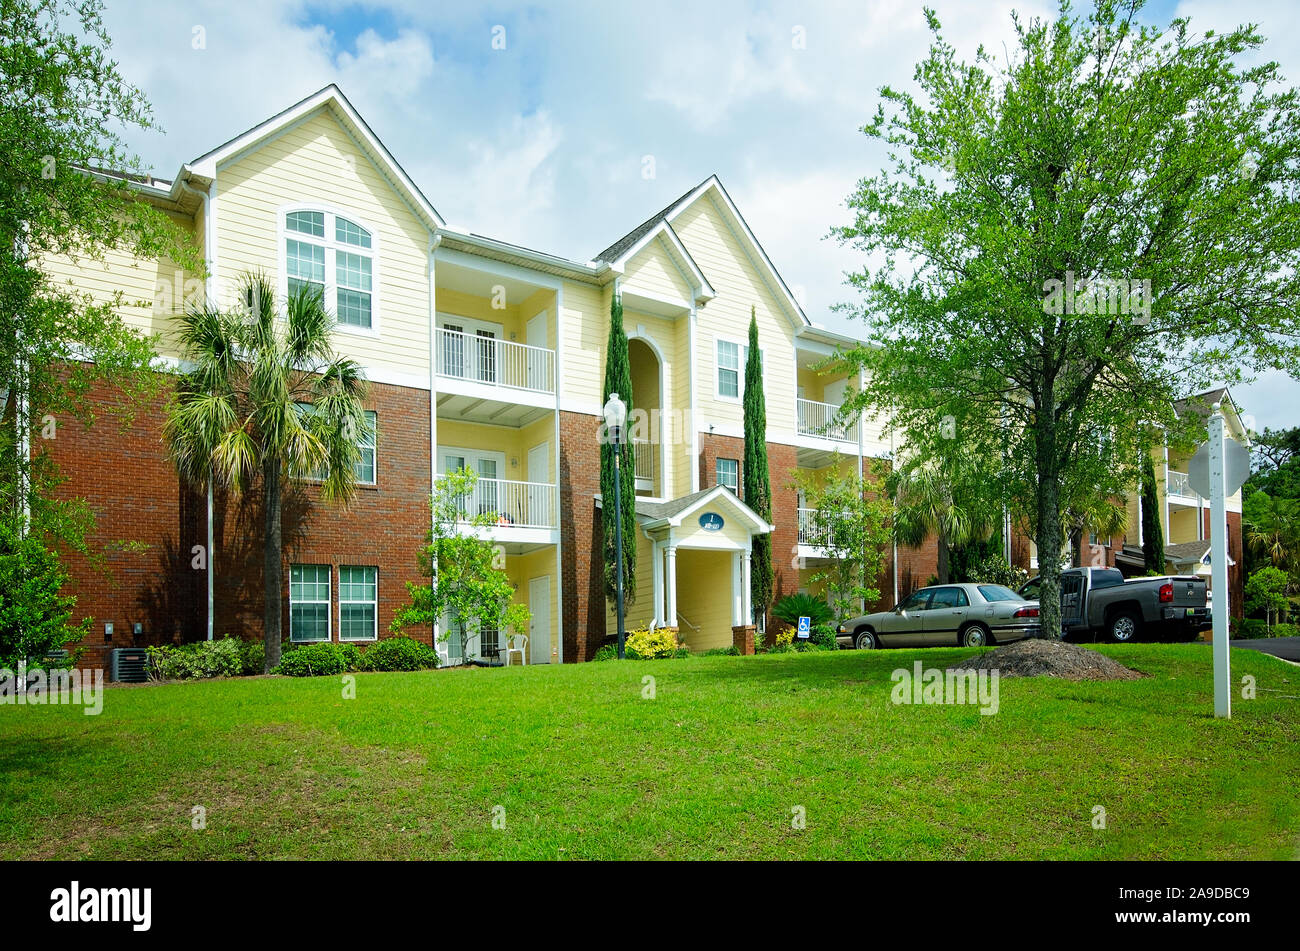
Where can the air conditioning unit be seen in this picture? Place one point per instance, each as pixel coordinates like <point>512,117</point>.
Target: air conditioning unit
<point>129,665</point>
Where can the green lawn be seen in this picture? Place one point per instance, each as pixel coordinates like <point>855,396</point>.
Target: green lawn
<point>711,768</point>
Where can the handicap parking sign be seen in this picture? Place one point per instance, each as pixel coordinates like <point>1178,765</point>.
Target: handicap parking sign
<point>805,626</point>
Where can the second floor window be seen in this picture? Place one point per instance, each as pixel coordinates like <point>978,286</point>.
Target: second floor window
<point>732,356</point>
<point>728,474</point>
<point>334,256</point>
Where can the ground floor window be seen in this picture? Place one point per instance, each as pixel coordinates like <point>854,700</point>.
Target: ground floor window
<point>309,603</point>
<point>358,603</point>
<point>728,474</point>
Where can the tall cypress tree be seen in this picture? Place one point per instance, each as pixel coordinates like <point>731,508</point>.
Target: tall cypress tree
<point>757,478</point>
<point>618,379</point>
<point>1153,536</point>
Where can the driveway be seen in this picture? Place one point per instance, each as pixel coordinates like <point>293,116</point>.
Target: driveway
<point>1288,648</point>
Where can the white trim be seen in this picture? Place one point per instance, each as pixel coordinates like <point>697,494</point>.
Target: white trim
<point>500,269</point>
<point>332,246</point>
<point>559,496</point>
<point>663,230</point>
<point>742,346</point>
<point>692,363</point>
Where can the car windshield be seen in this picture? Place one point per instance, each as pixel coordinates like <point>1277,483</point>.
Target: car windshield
<point>997,592</point>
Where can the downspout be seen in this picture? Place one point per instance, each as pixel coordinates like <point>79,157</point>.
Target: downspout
<point>209,286</point>
<point>435,240</point>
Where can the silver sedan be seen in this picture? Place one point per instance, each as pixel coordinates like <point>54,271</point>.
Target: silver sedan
<point>969,615</point>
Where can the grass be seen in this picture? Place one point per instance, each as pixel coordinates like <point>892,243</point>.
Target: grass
<point>585,768</point>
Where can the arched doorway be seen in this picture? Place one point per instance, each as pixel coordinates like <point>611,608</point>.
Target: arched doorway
<point>646,428</point>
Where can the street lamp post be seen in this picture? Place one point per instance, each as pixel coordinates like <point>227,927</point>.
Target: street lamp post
<point>615,417</point>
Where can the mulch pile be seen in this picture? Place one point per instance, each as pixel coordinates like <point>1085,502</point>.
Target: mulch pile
<point>1044,658</point>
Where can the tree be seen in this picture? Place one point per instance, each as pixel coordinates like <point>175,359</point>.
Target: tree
<point>1066,238</point>
<point>35,616</point>
<point>1271,527</point>
<point>64,109</point>
<point>757,478</point>
<point>267,404</point>
<point>467,584</point>
<point>849,521</point>
<point>1266,591</point>
<point>1277,464</point>
<point>1153,532</point>
<point>946,493</point>
<point>618,379</point>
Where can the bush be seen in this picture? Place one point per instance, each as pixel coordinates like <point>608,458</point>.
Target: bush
<point>820,638</point>
<point>993,569</point>
<point>608,652</point>
<point>1241,628</point>
<point>399,653</point>
<point>319,660</point>
<point>1284,629</point>
<point>254,657</point>
<point>645,644</point>
<point>731,651</point>
<point>794,606</point>
<point>200,660</point>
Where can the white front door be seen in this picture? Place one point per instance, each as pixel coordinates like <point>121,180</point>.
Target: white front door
<point>539,471</point>
<point>539,628</point>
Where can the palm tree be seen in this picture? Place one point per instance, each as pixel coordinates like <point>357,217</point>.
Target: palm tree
<point>1093,513</point>
<point>267,402</point>
<point>1272,529</point>
<point>940,498</point>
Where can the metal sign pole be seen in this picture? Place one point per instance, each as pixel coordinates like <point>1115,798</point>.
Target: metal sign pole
<point>1219,562</point>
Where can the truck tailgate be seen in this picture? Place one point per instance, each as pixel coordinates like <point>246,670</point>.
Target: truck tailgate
<point>1189,591</point>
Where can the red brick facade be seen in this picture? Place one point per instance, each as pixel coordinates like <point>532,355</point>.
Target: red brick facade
<point>582,595</point>
<point>148,525</point>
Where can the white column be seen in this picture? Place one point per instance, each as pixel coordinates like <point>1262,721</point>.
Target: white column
<point>747,611</point>
<point>671,619</point>
<point>1219,566</point>
<point>657,562</point>
<point>737,601</point>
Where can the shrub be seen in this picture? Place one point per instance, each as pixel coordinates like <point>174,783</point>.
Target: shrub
<point>731,651</point>
<point>1284,629</point>
<point>794,606</point>
<point>993,569</point>
<point>608,652</point>
<point>784,636</point>
<point>200,660</point>
<point>254,657</point>
<point>1241,628</point>
<point>399,653</point>
<point>319,660</point>
<point>645,644</point>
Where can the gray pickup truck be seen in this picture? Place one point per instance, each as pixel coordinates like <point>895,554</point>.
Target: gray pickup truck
<point>1099,601</point>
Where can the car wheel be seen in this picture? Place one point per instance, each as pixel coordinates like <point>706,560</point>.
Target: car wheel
<point>1123,628</point>
<point>974,635</point>
<point>864,640</point>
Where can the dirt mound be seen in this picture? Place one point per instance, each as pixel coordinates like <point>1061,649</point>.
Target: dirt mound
<point>1042,658</point>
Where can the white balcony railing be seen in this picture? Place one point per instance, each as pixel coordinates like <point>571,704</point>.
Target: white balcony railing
<point>643,455</point>
<point>1177,483</point>
<point>488,360</point>
<point>809,532</point>
<point>513,504</point>
<point>820,419</point>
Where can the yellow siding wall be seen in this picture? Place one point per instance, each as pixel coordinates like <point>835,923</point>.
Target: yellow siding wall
<point>654,272</point>
<point>315,162</point>
<point>153,292</point>
<point>514,443</point>
<point>706,233</point>
<point>586,324</point>
<point>640,611</point>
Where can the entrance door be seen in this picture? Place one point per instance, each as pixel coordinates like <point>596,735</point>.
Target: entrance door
<point>538,496</point>
<point>453,350</point>
<point>539,628</point>
<point>486,354</point>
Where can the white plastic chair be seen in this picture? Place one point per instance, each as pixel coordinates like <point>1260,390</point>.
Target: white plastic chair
<point>511,649</point>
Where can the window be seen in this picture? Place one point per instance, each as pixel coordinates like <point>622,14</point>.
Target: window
<point>917,601</point>
<point>358,603</point>
<point>997,592</point>
<point>489,645</point>
<point>366,443</point>
<point>728,474</point>
<point>309,603</point>
<point>732,356</point>
<point>334,256</point>
<point>949,598</point>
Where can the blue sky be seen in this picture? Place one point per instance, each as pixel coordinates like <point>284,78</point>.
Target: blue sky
<point>544,142</point>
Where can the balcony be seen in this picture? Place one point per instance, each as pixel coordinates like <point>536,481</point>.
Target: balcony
<point>820,419</point>
<point>520,511</point>
<point>644,465</point>
<point>488,380</point>
<point>809,533</point>
<point>1177,483</point>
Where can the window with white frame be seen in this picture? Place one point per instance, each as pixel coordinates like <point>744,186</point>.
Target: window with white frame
<point>366,467</point>
<point>309,603</point>
<point>358,603</point>
<point>334,256</point>
<point>727,472</point>
<point>731,358</point>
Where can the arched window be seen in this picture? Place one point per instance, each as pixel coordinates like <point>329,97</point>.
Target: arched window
<point>336,256</point>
